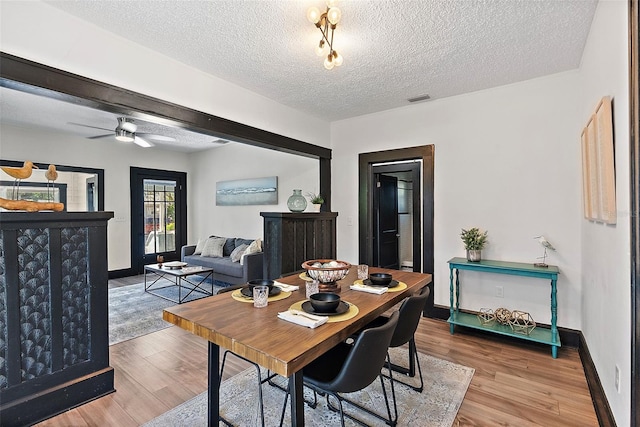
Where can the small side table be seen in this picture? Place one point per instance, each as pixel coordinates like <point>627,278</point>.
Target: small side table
<point>177,277</point>
<point>539,334</point>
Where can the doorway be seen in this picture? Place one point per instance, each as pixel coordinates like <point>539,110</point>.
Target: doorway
<point>422,244</point>
<point>397,213</point>
<point>158,216</point>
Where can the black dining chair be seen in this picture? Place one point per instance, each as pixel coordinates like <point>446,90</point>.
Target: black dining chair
<point>347,368</point>
<point>258,371</point>
<point>410,314</point>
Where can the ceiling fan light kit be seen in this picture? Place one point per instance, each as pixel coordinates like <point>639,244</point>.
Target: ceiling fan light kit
<point>124,136</point>
<point>327,22</point>
<point>126,132</point>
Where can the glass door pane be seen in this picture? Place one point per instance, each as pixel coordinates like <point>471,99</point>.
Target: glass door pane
<point>159,216</point>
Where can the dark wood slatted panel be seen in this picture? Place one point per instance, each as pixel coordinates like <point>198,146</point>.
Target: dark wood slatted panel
<point>292,238</point>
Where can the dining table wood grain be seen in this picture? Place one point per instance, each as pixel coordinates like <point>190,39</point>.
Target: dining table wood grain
<point>258,335</point>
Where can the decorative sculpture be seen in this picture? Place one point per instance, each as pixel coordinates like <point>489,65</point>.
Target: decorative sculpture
<point>503,316</point>
<point>486,316</point>
<point>19,173</point>
<point>522,322</point>
<point>51,174</point>
<point>546,245</point>
<point>24,172</point>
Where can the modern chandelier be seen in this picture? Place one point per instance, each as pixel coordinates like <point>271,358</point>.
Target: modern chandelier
<point>326,22</point>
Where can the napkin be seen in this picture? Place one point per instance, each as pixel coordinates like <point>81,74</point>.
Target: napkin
<point>371,289</point>
<point>303,320</point>
<point>285,287</point>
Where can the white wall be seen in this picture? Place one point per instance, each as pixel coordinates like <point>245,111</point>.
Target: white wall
<point>606,298</point>
<point>238,161</point>
<point>115,158</point>
<point>42,33</point>
<point>507,160</point>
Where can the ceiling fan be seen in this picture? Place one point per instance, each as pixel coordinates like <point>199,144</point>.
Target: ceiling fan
<point>126,132</point>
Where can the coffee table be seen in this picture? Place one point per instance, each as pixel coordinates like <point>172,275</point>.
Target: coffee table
<point>179,277</point>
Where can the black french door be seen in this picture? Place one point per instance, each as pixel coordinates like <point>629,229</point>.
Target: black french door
<point>158,215</point>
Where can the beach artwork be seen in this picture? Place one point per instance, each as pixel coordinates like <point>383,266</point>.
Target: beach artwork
<point>253,191</point>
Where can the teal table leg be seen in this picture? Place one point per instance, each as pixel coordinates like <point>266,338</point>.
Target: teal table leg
<point>554,319</point>
<point>451,298</point>
<point>451,325</point>
<point>457,291</point>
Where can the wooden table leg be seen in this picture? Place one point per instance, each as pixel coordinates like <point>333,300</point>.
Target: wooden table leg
<point>214,385</point>
<point>297,399</point>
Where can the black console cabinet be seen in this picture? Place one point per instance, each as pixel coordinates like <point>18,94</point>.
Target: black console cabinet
<point>293,238</point>
<point>54,341</point>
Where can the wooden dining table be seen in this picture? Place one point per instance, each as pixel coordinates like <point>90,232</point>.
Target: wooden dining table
<point>285,348</point>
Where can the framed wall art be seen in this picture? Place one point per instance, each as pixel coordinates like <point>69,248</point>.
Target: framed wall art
<point>598,165</point>
<point>253,191</point>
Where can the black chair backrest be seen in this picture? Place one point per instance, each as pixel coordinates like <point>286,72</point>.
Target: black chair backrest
<point>365,361</point>
<point>410,313</point>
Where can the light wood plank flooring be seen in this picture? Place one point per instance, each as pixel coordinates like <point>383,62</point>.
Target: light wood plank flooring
<point>515,383</point>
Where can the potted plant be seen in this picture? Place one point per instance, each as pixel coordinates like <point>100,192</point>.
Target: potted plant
<point>316,200</point>
<point>474,241</point>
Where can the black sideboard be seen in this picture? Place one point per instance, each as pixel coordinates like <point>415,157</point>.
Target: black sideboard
<point>54,339</point>
<point>293,238</point>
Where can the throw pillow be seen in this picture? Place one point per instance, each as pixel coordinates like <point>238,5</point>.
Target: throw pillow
<point>254,247</point>
<point>240,241</point>
<point>238,252</point>
<point>229,246</point>
<point>200,246</point>
<point>213,247</point>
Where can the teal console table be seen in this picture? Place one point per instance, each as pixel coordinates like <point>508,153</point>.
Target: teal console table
<point>539,334</point>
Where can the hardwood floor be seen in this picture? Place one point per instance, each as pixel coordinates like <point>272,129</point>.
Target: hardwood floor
<point>515,383</point>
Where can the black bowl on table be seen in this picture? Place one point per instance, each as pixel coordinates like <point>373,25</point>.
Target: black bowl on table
<point>324,302</point>
<point>380,279</point>
<point>260,282</point>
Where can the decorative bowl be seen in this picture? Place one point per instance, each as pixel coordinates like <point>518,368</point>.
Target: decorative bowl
<point>380,279</point>
<point>260,282</point>
<point>325,302</point>
<point>326,270</point>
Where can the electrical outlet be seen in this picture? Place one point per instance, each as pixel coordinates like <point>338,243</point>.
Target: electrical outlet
<point>617,379</point>
<point>499,292</point>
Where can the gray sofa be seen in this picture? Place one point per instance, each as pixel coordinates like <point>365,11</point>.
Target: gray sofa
<point>225,270</point>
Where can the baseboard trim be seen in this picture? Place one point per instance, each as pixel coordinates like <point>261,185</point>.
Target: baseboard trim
<point>600,402</point>
<point>570,338</point>
<point>119,274</point>
<point>60,398</point>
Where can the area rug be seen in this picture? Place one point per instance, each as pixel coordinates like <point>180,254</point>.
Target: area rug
<point>445,386</point>
<point>134,312</point>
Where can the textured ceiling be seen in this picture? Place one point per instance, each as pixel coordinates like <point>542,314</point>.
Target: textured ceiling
<point>393,50</point>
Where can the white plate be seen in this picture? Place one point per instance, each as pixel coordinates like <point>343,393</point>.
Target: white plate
<point>174,264</point>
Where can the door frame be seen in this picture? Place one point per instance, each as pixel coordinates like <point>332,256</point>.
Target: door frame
<point>137,176</point>
<point>365,204</point>
<point>634,176</point>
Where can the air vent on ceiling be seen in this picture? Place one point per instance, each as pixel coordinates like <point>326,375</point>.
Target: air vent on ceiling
<point>419,98</point>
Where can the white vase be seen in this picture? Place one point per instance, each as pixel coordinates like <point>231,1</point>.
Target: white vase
<point>474,255</point>
<point>316,207</point>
